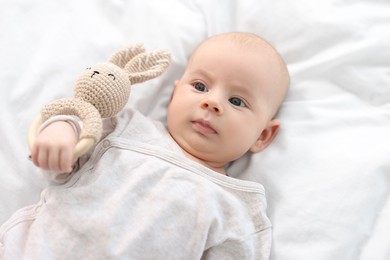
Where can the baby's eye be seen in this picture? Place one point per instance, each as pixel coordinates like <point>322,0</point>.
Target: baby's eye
<point>237,102</point>
<point>200,87</point>
<point>112,75</point>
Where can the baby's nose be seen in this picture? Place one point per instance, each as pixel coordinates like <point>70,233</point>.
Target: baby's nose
<point>212,105</point>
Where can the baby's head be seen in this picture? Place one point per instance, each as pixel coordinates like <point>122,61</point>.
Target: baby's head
<point>225,102</point>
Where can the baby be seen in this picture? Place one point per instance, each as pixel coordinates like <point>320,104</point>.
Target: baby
<point>146,191</point>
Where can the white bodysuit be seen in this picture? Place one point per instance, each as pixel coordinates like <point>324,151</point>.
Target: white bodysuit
<point>136,196</point>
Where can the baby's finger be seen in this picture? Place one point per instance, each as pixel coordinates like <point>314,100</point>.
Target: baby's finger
<point>34,155</point>
<point>53,160</point>
<point>66,160</point>
<point>41,158</point>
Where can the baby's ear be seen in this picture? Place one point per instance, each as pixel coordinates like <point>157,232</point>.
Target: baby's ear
<point>147,66</point>
<point>266,137</point>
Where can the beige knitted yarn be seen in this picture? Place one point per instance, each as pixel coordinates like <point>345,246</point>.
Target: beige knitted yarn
<point>103,90</point>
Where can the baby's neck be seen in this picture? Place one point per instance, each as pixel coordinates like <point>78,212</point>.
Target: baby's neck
<point>210,165</point>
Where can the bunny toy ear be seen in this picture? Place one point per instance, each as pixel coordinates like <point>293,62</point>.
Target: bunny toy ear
<point>123,56</point>
<point>147,66</point>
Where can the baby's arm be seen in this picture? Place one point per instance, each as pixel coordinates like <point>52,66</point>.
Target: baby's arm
<point>53,147</point>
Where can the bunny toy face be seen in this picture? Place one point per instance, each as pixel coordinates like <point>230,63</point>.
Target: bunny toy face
<point>106,86</point>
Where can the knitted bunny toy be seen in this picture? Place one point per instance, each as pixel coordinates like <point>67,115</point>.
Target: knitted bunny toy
<point>103,90</point>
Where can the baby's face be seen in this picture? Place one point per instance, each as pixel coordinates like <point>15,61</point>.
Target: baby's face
<point>222,103</point>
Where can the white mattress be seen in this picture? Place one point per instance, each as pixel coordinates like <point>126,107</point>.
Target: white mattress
<point>327,175</point>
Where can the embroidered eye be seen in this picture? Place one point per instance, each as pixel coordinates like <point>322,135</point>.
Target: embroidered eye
<point>200,87</point>
<point>94,73</point>
<point>88,68</point>
<point>237,102</point>
<point>112,75</point>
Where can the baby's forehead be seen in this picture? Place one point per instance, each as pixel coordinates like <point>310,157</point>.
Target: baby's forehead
<point>257,48</point>
<point>246,41</point>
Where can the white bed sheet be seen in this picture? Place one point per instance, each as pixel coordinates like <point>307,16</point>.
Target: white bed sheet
<point>326,175</point>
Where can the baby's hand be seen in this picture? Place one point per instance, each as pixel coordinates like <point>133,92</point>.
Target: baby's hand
<point>53,147</point>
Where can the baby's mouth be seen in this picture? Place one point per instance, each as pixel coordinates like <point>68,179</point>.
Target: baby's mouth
<point>203,127</point>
